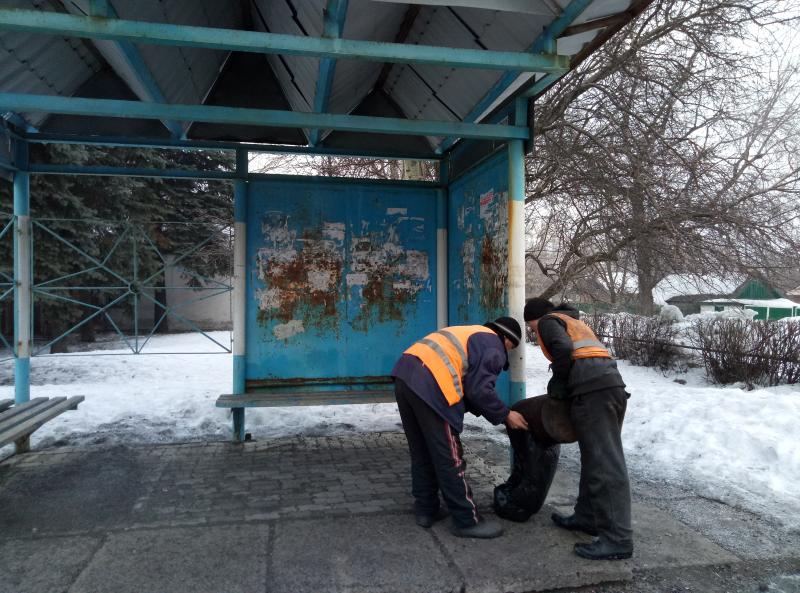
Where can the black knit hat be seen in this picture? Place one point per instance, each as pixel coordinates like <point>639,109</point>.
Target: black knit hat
<point>536,308</point>
<point>506,327</point>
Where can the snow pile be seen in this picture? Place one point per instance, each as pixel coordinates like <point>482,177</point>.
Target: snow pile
<point>670,313</point>
<point>734,445</point>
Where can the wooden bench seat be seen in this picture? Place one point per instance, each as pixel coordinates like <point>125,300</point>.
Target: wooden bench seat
<point>18,422</point>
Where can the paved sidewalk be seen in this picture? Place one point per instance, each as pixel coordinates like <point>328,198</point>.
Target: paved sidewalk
<point>293,515</point>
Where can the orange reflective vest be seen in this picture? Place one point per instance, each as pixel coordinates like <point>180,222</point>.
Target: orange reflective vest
<point>444,354</point>
<point>584,343</point>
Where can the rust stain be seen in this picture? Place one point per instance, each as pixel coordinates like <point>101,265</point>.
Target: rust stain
<point>302,283</point>
<point>494,275</point>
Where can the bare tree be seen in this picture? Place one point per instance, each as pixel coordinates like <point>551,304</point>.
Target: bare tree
<point>673,150</point>
<point>336,166</point>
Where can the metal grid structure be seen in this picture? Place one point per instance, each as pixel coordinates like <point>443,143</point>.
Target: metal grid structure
<point>450,81</point>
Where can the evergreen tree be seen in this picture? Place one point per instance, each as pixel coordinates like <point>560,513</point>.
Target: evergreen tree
<point>125,226</point>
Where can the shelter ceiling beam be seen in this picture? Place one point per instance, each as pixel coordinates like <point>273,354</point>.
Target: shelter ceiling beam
<point>127,60</point>
<point>334,17</point>
<point>193,144</point>
<point>545,42</point>
<point>66,25</point>
<point>257,117</point>
<point>19,121</point>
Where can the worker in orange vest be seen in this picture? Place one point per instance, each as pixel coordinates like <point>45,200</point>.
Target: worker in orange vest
<point>585,374</point>
<point>437,380</point>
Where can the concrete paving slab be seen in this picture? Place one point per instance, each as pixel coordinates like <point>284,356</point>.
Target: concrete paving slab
<point>531,556</point>
<point>42,565</point>
<point>196,560</point>
<point>660,541</point>
<point>740,532</point>
<point>360,554</point>
<point>73,492</point>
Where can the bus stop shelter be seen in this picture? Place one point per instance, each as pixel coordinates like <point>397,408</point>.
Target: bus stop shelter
<point>332,277</point>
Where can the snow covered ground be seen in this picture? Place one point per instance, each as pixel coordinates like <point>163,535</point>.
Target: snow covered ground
<point>738,446</point>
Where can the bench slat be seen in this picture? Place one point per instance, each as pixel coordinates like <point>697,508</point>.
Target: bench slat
<point>32,424</point>
<point>22,413</point>
<point>19,409</point>
<point>5,404</point>
<point>305,398</point>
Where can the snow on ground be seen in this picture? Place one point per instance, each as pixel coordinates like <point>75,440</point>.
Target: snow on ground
<point>738,446</point>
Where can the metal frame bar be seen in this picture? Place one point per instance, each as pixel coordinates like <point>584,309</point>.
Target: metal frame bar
<point>134,60</point>
<point>130,231</point>
<point>335,14</point>
<point>66,25</point>
<point>546,41</point>
<point>192,144</point>
<point>8,286</point>
<point>257,117</point>
<point>227,176</point>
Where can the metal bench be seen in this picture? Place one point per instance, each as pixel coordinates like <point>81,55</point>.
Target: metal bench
<point>305,398</point>
<point>17,422</point>
<point>274,394</point>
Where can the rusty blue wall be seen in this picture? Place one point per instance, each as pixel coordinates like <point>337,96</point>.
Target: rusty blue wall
<point>478,246</point>
<point>478,243</point>
<point>341,277</point>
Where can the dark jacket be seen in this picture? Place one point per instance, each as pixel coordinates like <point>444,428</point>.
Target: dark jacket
<point>584,374</point>
<point>486,358</point>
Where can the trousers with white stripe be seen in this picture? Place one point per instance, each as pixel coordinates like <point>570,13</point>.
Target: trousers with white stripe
<point>437,460</point>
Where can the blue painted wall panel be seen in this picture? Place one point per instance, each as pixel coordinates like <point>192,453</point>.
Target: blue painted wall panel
<point>478,243</point>
<point>341,277</point>
<point>478,246</point>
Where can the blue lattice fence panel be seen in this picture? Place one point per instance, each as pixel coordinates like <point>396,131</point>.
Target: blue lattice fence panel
<point>341,279</point>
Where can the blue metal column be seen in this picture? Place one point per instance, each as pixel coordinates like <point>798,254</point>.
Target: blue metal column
<point>516,254</point>
<point>22,276</point>
<point>441,247</point>
<point>239,289</point>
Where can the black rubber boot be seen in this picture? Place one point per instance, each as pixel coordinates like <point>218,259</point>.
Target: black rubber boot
<point>482,529</point>
<point>427,521</point>
<point>601,549</point>
<point>571,523</point>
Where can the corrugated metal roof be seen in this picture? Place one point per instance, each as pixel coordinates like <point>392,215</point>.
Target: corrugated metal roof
<point>41,64</point>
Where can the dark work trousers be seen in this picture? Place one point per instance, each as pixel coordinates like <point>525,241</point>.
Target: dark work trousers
<point>604,495</point>
<point>437,460</point>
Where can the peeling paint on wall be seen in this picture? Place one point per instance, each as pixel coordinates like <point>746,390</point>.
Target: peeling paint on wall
<point>480,279</point>
<point>302,274</point>
<point>302,268</point>
<point>386,275</point>
<point>284,331</point>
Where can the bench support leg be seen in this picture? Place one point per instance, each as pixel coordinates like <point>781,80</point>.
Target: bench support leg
<point>238,425</point>
<point>23,444</point>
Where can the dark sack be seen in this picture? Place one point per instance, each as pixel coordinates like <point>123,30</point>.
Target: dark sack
<point>524,492</point>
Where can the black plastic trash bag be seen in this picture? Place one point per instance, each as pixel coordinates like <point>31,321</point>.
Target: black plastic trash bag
<point>524,492</point>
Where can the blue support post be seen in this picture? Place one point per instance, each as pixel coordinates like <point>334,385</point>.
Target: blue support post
<point>516,258</point>
<point>442,296</point>
<point>257,117</point>
<point>239,290</point>
<point>335,13</point>
<point>22,276</point>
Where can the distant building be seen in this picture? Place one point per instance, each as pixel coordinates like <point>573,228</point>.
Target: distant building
<point>758,295</point>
